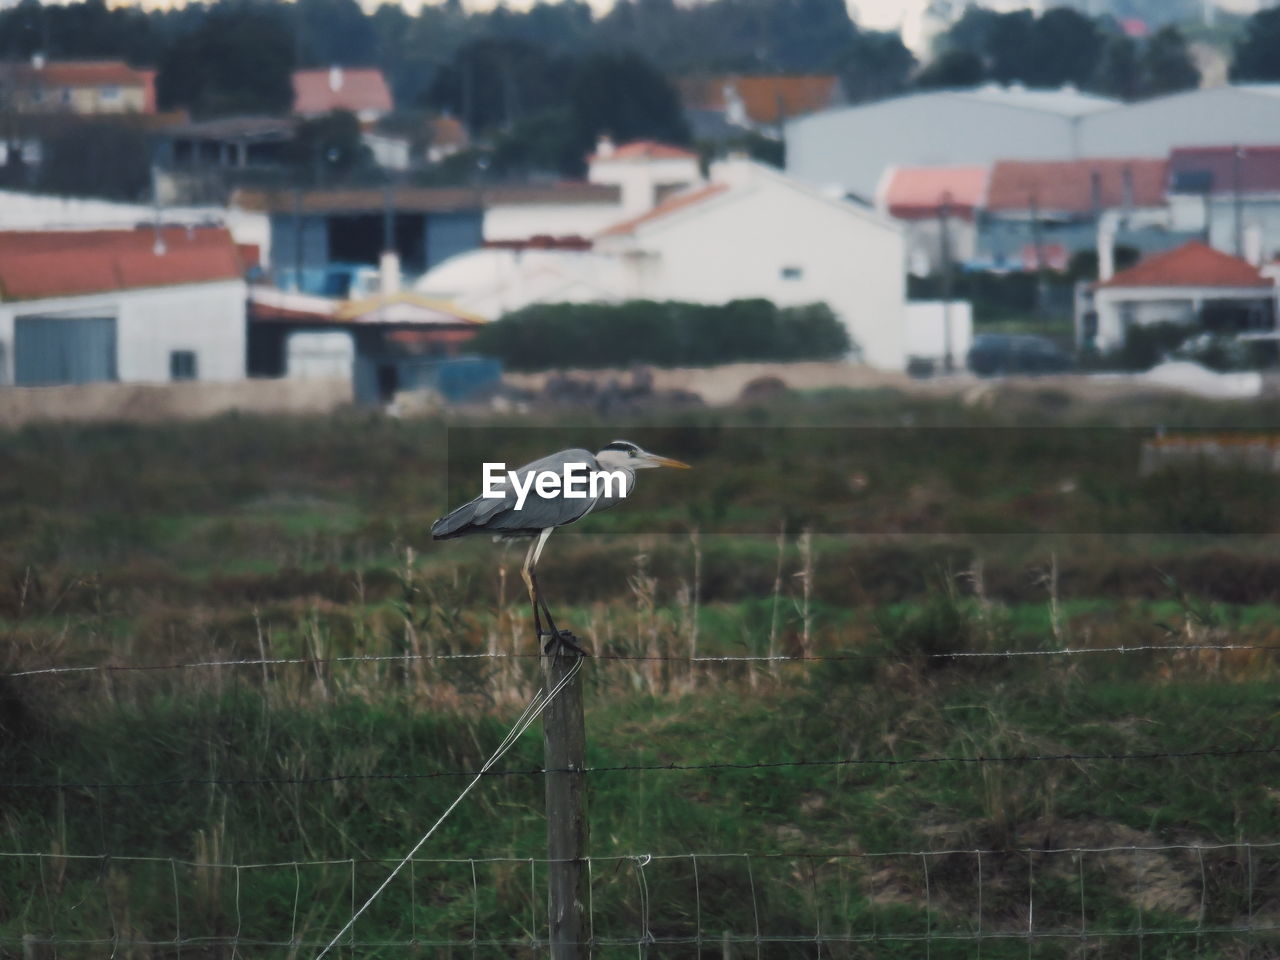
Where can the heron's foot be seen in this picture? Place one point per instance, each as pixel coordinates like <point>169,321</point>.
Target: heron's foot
<point>559,641</point>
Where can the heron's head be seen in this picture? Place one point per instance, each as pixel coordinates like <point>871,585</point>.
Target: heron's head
<point>625,455</point>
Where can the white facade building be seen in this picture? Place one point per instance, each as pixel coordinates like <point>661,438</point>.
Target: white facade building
<point>750,232</point>
<point>116,306</point>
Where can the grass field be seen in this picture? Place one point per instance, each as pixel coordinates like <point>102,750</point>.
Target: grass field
<point>1123,802</point>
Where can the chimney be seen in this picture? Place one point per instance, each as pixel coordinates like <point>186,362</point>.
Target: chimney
<point>1106,251</point>
<point>604,146</point>
<point>335,78</point>
<point>389,273</point>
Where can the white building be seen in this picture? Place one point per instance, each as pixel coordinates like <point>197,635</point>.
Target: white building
<point>750,232</point>
<point>120,305</point>
<point>1193,286</point>
<point>852,147</point>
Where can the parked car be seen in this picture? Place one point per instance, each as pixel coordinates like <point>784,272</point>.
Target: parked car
<point>998,354</point>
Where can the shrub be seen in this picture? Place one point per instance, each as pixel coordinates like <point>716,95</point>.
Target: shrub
<point>547,336</point>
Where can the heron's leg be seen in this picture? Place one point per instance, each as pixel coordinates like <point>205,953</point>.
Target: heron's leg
<point>526,574</point>
<point>564,637</point>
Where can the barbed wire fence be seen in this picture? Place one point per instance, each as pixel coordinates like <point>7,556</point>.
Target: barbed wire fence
<point>837,902</point>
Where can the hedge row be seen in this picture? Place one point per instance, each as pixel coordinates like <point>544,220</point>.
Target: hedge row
<point>670,334</point>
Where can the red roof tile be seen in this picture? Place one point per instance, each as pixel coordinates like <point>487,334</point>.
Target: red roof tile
<point>1067,185</point>
<point>679,201</point>
<point>43,264</point>
<point>357,89</point>
<point>644,150</point>
<point>1190,265</point>
<point>766,99</point>
<point>916,193</point>
<point>83,73</point>
<point>1216,169</point>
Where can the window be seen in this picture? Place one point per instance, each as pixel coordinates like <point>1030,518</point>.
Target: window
<point>793,273</point>
<point>109,94</point>
<point>182,365</point>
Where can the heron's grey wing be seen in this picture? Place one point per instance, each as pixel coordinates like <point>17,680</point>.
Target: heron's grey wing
<point>539,512</point>
<point>499,514</point>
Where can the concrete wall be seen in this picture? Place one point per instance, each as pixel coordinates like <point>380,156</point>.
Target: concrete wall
<point>143,403</point>
<point>206,318</point>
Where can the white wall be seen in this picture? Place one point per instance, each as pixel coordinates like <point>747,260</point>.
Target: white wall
<point>932,323</point>
<point>206,318</point>
<point>640,178</point>
<point>738,244</point>
<point>524,220</point>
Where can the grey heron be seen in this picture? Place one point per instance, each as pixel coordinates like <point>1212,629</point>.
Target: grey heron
<point>520,506</point>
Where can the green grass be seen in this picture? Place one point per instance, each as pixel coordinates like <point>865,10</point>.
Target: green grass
<point>237,537</point>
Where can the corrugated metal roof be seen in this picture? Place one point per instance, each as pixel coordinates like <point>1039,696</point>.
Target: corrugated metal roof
<point>1215,169</point>
<point>914,193</point>
<point>1068,186</point>
<point>1191,265</point>
<point>45,264</point>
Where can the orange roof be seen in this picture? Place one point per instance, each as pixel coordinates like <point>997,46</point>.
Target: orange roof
<point>1191,265</point>
<point>919,192</point>
<point>766,99</point>
<point>357,89</point>
<point>41,264</point>
<point>645,150</point>
<point>447,131</point>
<point>679,201</point>
<point>1068,185</point>
<point>83,73</point>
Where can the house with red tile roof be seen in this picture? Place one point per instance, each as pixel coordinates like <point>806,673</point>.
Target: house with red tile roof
<point>77,86</point>
<point>361,90</point>
<point>644,171</point>
<point>719,104</point>
<point>142,305</point>
<point>1193,285</point>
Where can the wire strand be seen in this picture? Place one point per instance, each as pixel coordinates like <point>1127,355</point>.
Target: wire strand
<point>726,659</point>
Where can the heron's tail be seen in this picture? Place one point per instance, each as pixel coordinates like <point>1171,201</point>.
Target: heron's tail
<point>457,523</point>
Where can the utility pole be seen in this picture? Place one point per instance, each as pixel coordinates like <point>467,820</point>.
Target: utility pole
<point>944,243</point>
<point>1237,192</point>
<point>564,740</point>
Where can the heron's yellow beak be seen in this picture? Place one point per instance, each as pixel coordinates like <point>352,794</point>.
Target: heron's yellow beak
<point>668,462</point>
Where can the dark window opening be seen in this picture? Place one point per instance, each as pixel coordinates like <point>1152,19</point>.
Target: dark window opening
<point>388,382</point>
<point>182,365</point>
<point>792,273</point>
<point>359,239</point>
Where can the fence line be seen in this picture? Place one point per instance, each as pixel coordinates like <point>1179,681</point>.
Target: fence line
<point>632,906</point>
<point>781,659</point>
<point>672,767</point>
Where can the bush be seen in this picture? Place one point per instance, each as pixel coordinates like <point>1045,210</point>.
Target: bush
<point>670,334</point>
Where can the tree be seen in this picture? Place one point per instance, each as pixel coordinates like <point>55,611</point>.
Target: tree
<point>1118,73</point>
<point>492,83</point>
<point>238,60</point>
<point>952,69</point>
<point>874,65</point>
<point>1257,53</point>
<point>328,148</point>
<point>1166,65</point>
<point>97,157</point>
<point>624,95</point>
<point>334,32</point>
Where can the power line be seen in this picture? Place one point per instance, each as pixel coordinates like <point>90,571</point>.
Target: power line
<point>727,659</point>
<point>672,767</point>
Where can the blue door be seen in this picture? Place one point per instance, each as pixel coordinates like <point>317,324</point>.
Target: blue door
<point>51,350</point>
